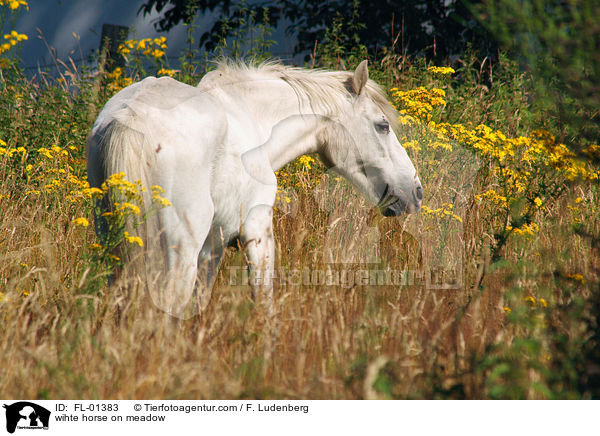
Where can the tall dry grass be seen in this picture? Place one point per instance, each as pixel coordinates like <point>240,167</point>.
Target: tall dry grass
<point>69,333</point>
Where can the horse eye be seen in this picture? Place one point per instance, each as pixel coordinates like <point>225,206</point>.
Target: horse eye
<point>382,127</point>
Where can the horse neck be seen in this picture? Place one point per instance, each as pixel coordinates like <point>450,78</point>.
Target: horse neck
<point>290,125</point>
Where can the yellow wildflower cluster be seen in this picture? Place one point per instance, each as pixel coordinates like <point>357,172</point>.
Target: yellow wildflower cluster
<point>166,72</point>
<point>577,278</point>
<point>593,152</point>
<point>133,239</point>
<point>12,151</point>
<point>524,153</point>
<point>279,197</point>
<point>525,230</point>
<point>520,163</point>
<point>151,48</point>
<point>81,221</point>
<point>493,197</point>
<point>576,211</point>
<point>306,161</point>
<point>14,4</point>
<point>441,70</point>
<point>482,139</point>
<point>53,171</point>
<point>154,47</point>
<point>532,302</point>
<point>129,190</point>
<point>117,81</point>
<point>127,207</point>
<point>543,146</point>
<point>12,39</point>
<point>514,181</point>
<point>411,145</point>
<point>157,198</point>
<point>418,103</point>
<point>446,210</point>
<point>52,152</point>
<point>126,213</point>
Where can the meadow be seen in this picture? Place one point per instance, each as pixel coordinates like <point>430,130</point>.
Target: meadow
<point>490,292</point>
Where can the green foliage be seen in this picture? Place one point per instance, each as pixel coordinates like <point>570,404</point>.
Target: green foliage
<point>341,48</point>
<point>430,27</point>
<point>558,42</point>
<point>246,35</point>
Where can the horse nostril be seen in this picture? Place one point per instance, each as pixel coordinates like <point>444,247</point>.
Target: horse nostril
<point>419,193</point>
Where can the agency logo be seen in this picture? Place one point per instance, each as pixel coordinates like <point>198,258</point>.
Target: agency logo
<point>26,415</point>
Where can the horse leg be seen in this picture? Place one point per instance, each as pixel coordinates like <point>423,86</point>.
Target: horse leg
<point>208,266</point>
<point>257,235</point>
<point>184,230</point>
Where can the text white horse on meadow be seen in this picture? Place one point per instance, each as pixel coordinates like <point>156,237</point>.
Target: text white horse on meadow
<point>215,149</point>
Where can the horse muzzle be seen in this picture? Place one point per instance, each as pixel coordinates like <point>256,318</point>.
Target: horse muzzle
<point>395,205</point>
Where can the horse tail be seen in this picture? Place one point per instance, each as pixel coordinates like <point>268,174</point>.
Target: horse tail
<point>124,145</point>
<point>129,150</point>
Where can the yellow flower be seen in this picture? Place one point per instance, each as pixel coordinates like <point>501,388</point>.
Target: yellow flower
<point>525,229</point>
<point>412,145</point>
<point>419,103</point>
<point>493,197</point>
<point>441,70</point>
<point>507,310</point>
<point>165,202</point>
<point>442,212</point>
<point>14,4</point>
<point>134,239</point>
<point>406,120</point>
<point>577,278</point>
<point>124,48</point>
<point>156,53</point>
<point>81,221</point>
<point>166,72</point>
<point>537,201</point>
<point>157,198</point>
<point>93,192</point>
<point>306,161</point>
<point>45,152</point>
<point>128,206</point>
<point>531,301</point>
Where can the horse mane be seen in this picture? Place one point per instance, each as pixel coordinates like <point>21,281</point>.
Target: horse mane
<point>324,90</point>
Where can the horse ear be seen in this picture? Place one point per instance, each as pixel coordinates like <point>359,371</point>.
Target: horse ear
<point>360,78</point>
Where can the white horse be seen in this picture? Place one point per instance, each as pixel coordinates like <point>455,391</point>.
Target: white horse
<point>215,149</point>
